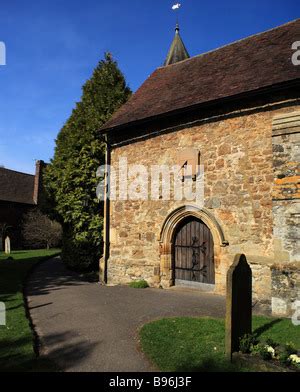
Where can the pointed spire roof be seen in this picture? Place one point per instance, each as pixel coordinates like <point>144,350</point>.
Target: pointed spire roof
<point>177,50</point>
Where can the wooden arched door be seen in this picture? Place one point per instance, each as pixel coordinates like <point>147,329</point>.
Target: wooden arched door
<point>193,253</point>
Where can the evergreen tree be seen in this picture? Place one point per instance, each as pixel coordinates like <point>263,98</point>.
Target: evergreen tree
<point>70,179</point>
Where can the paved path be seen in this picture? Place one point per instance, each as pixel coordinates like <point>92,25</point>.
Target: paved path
<point>88,327</point>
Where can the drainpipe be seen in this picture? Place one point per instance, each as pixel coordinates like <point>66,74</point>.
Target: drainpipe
<point>104,260</point>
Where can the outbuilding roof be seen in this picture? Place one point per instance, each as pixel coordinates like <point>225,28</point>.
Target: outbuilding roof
<point>16,187</point>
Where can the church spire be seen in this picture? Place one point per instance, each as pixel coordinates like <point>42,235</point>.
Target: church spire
<point>177,50</point>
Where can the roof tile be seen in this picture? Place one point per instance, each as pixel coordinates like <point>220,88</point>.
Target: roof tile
<point>16,187</point>
<point>247,65</point>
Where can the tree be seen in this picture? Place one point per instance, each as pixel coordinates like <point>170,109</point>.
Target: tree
<point>70,179</point>
<point>39,231</point>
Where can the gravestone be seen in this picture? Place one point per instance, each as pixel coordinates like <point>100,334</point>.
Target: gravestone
<point>238,304</point>
<point>7,245</point>
<point>2,314</point>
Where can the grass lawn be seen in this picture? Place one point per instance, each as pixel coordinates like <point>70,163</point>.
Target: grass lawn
<point>197,344</point>
<point>16,338</point>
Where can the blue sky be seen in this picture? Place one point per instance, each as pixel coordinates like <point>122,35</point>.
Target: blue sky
<point>53,46</point>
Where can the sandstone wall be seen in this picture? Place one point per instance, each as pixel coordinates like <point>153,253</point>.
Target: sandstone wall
<point>237,154</point>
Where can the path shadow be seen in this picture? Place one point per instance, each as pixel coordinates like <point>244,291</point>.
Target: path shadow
<point>39,306</point>
<point>13,273</point>
<point>210,365</point>
<point>52,275</point>
<point>14,356</point>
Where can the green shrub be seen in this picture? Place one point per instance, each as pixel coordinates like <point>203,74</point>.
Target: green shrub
<point>139,284</point>
<point>247,342</point>
<point>261,349</point>
<point>80,256</point>
<point>271,342</point>
<point>284,352</point>
<point>290,348</point>
<point>282,355</point>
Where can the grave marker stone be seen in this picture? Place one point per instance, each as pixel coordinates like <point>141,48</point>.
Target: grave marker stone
<point>238,304</point>
<point>7,245</point>
<point>2,313</point>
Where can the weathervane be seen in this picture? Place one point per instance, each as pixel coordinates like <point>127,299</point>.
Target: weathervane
<point>176,7</point>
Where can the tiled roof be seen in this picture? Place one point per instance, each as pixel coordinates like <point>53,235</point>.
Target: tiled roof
<point>248,65</point>
<point>16,187</point>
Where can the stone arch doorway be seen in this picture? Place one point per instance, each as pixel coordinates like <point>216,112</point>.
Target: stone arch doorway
<point>173,223</point>
<point>193,254</point>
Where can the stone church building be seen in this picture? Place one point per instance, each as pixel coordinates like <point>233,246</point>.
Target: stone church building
<point>234,110</point>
